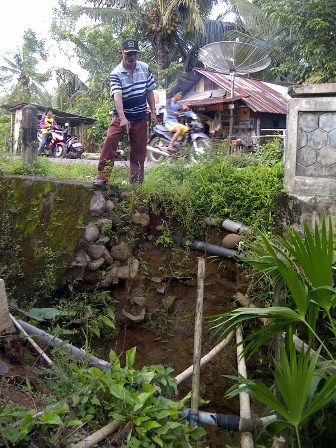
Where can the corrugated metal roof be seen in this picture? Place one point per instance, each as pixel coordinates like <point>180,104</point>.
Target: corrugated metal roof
<point>60,116</point>
<point>210,101</point>
<point>258,95</point>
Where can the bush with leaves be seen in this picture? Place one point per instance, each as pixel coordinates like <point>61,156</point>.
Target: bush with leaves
<point>127,395</point>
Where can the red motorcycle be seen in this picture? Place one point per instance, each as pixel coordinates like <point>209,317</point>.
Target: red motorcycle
<point>56,143</point>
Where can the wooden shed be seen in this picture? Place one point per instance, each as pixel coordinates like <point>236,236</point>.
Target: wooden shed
<point>76,122</point>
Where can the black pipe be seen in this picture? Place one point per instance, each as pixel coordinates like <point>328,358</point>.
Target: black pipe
<point>208,248</point>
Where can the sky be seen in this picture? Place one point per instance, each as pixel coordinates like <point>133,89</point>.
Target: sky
<point>16,16</point>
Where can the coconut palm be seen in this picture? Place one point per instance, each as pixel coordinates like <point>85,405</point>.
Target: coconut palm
<point>171,28</point>
<point>19,74</point>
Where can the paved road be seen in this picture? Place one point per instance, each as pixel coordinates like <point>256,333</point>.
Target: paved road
<point>95,161</point>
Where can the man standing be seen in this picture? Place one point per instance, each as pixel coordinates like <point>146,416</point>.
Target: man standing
<point>132,86</point>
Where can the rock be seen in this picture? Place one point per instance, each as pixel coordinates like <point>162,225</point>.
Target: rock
<point>141,219</point>
<point>119,219</point>
<point>120,251</point>
<point>231,240</point>
<point>97,204</point>
<point>84,244</point>
<point>139,300</point>
<point>169,302</point>
<point>110,277</point>
<point>150,237</point>
<point>3,368</point>
<point>110,205</point>
<point>162,289</point>
<point>107,256</point>
<point>94,265</point>
<point>91,232</point>
<point>137,318</point>
<point>95,251</point>
<point>129,271</point>
<point>103,239</point>
<point>81,258</point>
<point>160,228</point>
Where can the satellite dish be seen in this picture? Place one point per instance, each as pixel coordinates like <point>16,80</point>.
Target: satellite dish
<point>236,57</point>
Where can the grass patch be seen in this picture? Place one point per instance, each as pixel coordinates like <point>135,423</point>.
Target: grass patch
<point>242,187</point>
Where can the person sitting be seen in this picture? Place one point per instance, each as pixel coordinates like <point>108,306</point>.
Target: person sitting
<point>46,122</point>
<point>170,118</point>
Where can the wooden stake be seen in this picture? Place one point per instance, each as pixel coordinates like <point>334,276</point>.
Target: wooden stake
<point>6,325</point>
<point>197,339</point>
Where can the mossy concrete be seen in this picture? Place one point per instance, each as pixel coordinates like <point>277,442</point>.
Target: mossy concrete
<point>41,221</point>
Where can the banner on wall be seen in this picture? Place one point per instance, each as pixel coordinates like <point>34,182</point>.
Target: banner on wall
<point>244,114</point>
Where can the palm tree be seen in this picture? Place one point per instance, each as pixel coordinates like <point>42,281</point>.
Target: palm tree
<point>303,265</point>
<point>20,73</point>
<point>174,29</point>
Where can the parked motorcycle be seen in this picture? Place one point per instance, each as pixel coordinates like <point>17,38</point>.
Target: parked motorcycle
<point>157,147</point>
<point>73,147</point>
<point>55,145</point>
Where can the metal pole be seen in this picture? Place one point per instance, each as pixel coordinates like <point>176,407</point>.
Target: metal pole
<point>231,106</point>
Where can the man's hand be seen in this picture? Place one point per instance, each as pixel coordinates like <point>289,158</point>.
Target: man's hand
<point>153,119</point>
<point>124,123</point>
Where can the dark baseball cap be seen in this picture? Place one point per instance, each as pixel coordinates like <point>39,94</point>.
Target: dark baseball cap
<point>130,45</point>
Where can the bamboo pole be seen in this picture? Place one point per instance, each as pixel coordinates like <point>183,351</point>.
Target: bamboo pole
<point>33,343</point>
<point>205,359</point>
<point>197,339</point>
<point>246,438</point>
<point>98,436</point>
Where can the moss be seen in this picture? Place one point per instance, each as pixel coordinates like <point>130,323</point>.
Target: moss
<point>44,219</point>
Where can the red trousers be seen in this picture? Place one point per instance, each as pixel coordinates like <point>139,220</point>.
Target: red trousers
<point>138,143</point>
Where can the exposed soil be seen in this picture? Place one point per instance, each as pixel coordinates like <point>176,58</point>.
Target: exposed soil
<point>166,335</point>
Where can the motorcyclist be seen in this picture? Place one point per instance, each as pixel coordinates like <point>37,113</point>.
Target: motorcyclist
<point>47,121</point>
<point>170,118</point>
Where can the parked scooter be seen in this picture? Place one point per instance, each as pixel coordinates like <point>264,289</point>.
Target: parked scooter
<point>157,147</point>
<point>73,147</point>
<point>55,145</point>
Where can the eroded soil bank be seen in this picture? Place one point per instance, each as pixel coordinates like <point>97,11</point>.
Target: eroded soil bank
<point>166,284</point>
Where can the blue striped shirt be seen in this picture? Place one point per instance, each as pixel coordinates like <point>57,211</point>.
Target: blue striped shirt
<point>133,88</point>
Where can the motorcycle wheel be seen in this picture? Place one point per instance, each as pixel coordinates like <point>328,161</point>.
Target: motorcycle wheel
<point>201,149</point>
<point>203,145</point>
<point>59,151</point>
<point>152,156</point>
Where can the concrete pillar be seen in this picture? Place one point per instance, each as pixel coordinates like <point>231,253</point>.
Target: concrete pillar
<point>6,325</point>
<point>310,158</point>
<point>29,133</point>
